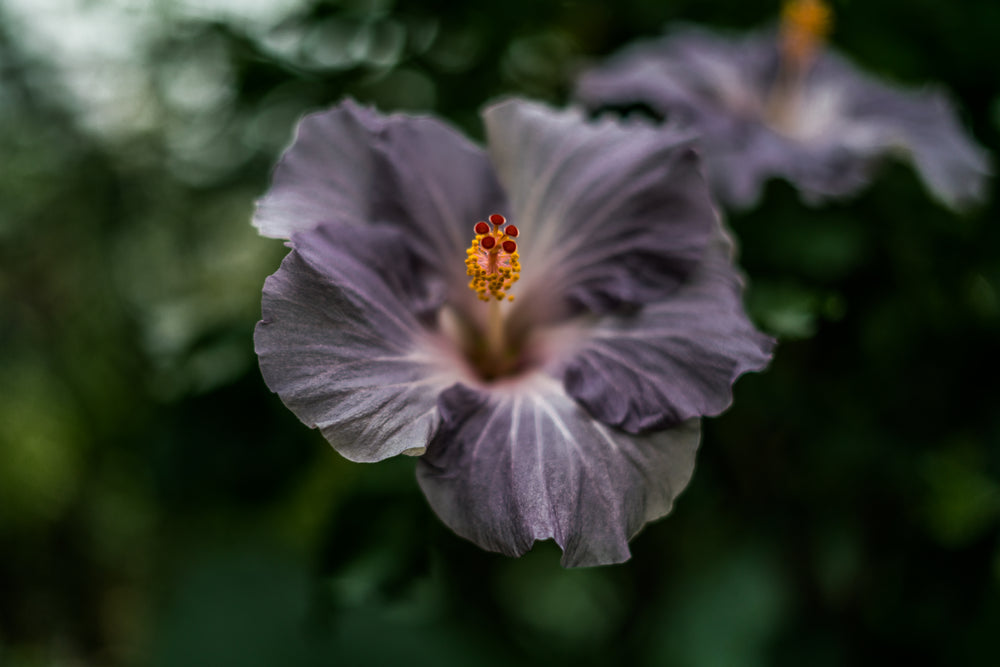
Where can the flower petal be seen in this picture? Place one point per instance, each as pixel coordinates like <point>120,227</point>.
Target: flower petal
<point>340,342</point>
<point>923,124</point>
<point>610,213</point>
<point>442,184</point>
<point>740,169</point>
<point>506,470</point>
<point>673,360</point>
<point>690,75</point>
<point>328,172</point>
<point>954,168</point>
<point>352,165</point>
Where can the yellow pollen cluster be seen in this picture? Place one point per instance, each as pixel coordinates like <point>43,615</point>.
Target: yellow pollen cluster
<point>805,25</point>
<point>492,270</point>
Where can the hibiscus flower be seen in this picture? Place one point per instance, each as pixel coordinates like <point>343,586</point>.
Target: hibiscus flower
<point>778,104</point>
<point>542,322</point>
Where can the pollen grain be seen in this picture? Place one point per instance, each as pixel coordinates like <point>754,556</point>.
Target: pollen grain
<point>492,262</point>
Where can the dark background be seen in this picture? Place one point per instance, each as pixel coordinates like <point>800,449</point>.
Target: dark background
<point>158,506</point>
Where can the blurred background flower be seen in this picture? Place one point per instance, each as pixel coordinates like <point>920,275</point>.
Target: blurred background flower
<point>159,506</point>
<point>777,103</point>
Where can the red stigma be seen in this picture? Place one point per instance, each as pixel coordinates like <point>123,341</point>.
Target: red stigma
<point>492,272</point>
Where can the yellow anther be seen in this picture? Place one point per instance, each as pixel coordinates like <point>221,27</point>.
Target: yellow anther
<point>492,261</point>
<point>805,25</point>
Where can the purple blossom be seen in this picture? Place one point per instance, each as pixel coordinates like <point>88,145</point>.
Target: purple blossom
<point>570,413</point>
<point>807,115</point>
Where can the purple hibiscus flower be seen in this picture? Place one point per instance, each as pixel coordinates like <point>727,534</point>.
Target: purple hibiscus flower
<point>777,104</point>
<point>569,413</point>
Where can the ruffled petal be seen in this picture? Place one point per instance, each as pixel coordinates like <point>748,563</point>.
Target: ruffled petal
<point>739,170</point>
<point>609,213</point>
<point>690,75</point>
<point>921,124</point>
<point>506,470</point>
<point>848,123</point>
<point>341,343</point>
<point>328,173</point>
<point>353,165</point>
<point>955,169</point>
<point>716,85</point>
<point>673,360</point>
<point>442,184</point>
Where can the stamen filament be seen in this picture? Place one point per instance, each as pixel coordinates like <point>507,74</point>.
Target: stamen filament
<point>805,25</point>
<point>494,328</point>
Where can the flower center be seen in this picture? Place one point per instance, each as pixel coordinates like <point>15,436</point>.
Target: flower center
<point>493,266</point>
<point>492,262</point>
